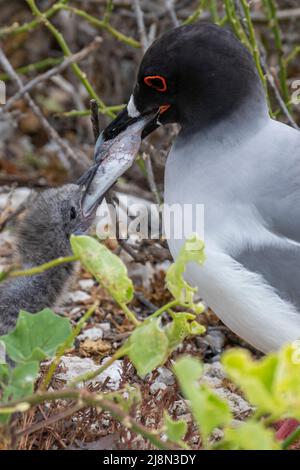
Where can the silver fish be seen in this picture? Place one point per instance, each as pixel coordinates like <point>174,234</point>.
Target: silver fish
<point>113,157</point>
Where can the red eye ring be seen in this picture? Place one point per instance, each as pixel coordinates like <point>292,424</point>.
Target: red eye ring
<point>149,81</point>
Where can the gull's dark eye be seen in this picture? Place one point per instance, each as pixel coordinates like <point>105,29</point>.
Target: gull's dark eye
<point>72,213</point>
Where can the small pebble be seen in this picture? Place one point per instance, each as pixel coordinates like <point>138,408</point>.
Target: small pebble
<point>91,333</point>
<point>157,386</point>
<point>78,296</point>
<point>86,284</point>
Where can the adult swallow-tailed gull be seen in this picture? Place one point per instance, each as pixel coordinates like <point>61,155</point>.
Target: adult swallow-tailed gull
<point>237,161</point>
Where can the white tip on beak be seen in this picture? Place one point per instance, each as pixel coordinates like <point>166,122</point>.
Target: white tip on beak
<point>132,109</point>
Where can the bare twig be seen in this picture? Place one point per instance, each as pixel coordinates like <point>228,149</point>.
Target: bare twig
<point>47,422</point>
<point>85,398</point>
<point>276,90</point>
<point>37,269</point>
<point>95,119</point>
<point>282,15</point>
<point>171,9</point>
<point>67,52</point>
<point>137,257</point>
<point>151,179</point>
<point>67,153</point>
<point>140,297</point>
<point>54,71</point>
<point>141,25</point>
<point>24,180</point>
<point>12,214</point>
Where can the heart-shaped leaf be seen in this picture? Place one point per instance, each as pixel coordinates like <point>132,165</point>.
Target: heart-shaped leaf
<point>36,336</point>
<point>106,267</point>
<point>147,347</point>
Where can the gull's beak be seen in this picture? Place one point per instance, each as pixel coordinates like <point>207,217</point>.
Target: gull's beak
<point>123,120</point>
<point>115,152</point>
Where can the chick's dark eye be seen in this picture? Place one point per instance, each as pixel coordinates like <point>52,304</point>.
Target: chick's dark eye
<point>72,213</point>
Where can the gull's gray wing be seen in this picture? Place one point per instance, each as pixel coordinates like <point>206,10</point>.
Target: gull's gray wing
<point>280,267</point>
<point>278,192</point>
<point>276,197</point>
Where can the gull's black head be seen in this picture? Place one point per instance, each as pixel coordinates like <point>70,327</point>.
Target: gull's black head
<point>194,75</point>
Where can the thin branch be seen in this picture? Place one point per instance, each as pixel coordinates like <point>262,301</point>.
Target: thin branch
<point>61,5</point>
<point>35,67</point>
<point>151,179</point>
<point>27,27</point>
<point>67,52</point>
<point>87,112</point>
<point>171,9</point>
<point>47,422</point>
<point>276,91</point>
<point>85,398</point>
<point>14,213</point>
<point>235,23</point>
<point>271,11</point>
<point>37,269</point>
<point>292,55</point>
<point>67,153</point>
<point>280,101</point>
<point>102,24</point>
<point>254,44</point>
<point>95,119</point>
<point>197,13</point>
<point>55,71</point>
<point>282,15</point>
<point>141,25</point>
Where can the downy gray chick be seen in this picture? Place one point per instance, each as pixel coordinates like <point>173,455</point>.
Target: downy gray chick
<point>43,235</point>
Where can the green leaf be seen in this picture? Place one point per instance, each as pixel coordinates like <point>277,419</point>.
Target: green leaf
<point>196,328</point>
<point>4,373</point>
<point>256,378</point>
<point>147,347</point>
<point>180,327</point>
<point>272,384</point>
<point>15,384</point>
<point>36,336</point>
<point>287,385</point>
<point>21,381</point>
<point>250,435</point>
<point>175,430</point>
<point>208,409</point>
<point>192,250</point>
<point>106,267</point>
<point>3,275</point>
